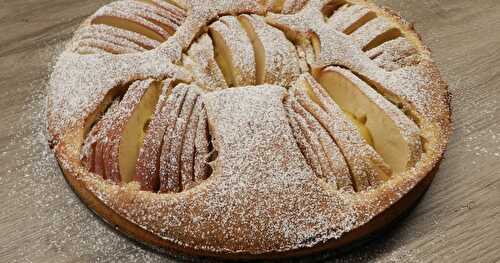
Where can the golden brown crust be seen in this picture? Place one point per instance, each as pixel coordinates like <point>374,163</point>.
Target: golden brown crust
<point>210,217</point>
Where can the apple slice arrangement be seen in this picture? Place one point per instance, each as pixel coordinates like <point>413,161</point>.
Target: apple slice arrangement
<point>129,26</point>
<point>331,105</point>
<point>156,135</point>
<point>151,136</point>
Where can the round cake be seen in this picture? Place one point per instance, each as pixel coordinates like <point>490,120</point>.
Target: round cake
<point>247,129</point>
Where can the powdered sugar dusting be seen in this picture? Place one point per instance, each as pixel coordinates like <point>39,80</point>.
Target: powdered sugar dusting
<point>337,48</point>
<point>71,231</point>
<point>78,83</point>
<point>56,225</point>
<point>260,177</point>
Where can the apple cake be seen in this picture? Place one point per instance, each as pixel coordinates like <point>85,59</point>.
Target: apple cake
<point>247,129</point>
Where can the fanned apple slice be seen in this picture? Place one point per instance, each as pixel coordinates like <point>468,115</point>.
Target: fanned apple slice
<point>93,34</point>
<point>188,147</point>
<point>108,45</point>
<point>174,15</point>
<point>85,50</point>
<point>128,26</point>
<point>98,136</point>
<point>233,52</point>
<point>348,18</point>
<point>328,8</point>
<point>109,31</point>
<point>202,146</point>
<point>375,32</point>
<point>277,61</point>
<point>366,165</point>
<point>126,136</point>
<point>395,136</point>
<point>148,12</point>
<point>174,165</point>
<point>305,146</point>
<point>318,160</point>
<point>119,41</point>
<point>170,159</point>
<point>337,171</point>
<point>201,61</point>
<point>99,130</point>
<point>169,5</point>
<point>394,54</point>
<point>134,131</point>
<point>147,166</point>
<point>128,21</point>
<point>169,136</point>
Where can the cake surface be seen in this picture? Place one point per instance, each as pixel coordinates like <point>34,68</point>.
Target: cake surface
<point>247,129</point>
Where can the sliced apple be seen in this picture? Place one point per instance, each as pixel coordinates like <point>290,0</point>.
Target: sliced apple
<point>188,147</point>
<point>394,54</point>
<point>318,160</point>
<point>147,166</point>
<point>366,166</point>
<point>151,13</point>
<point>174,16</point>
<point>87,36</point>
<point>169,123</point>
<point>114,16</point>
<point>118,33</point>
<point>348,18</point>
<point>375,32</point>
<point>134,131</point>
<point>179,5</point>
<point>359,122</point>
<point>201,61</point>
<point>340,170</point>
<point>121,147</point>
<point>107,45</point>
<point>305,147</point>
<point>121,41</point>
<point>98,127</point>
<point>99,166</point>
<point>136,27</point>
<point>170,159</point>
<point>233,51</point>
<point>89,157</point>
<point>85,50</point>
<point>260,132</point>
<point>166,24</point>
<point>177,147</point>
<point>222,56</point>
<point>395,137</point>
<point>333,165</point>
<point>316,44</point>
<point>335,169</point>
<point>202,146</point>
<point>277,61</point>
